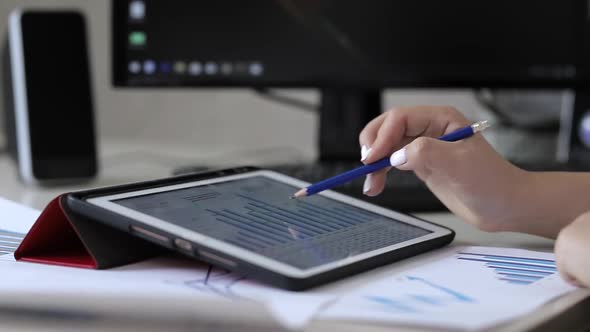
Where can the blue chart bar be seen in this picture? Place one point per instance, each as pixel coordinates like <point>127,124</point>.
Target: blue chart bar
<point>500,269</point>
<point>261,225</point>
<point>514,259</point>
<point>516,281</point>
<point>455,294</point>
<point>515,270</point>
<point>393,304</point>
<point>520,276</point>
<point>202,196</point>
<point>430,295</point>
<point>9,241</point>
<point>10,233</point>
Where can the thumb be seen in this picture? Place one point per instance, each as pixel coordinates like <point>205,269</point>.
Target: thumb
<point>425,155</point>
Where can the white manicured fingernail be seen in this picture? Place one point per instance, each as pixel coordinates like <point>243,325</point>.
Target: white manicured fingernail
<point>367,184</point>
<point>398,158</point>
<point>365,152</point>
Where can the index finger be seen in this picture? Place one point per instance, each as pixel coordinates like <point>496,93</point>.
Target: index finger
<point>401,125</point>
<point>369,133</point>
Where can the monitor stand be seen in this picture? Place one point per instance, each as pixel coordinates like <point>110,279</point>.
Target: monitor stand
<point>343,114</point>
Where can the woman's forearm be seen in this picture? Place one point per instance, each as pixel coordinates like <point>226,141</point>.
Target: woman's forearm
<point>551,201</point>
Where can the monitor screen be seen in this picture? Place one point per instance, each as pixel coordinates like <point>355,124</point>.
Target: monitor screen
<point>374,43</point>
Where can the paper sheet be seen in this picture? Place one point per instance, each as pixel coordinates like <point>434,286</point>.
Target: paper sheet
<point>15,222</point>
<point>16,217</point>
<point>468,288</point>
<point>171,277</point>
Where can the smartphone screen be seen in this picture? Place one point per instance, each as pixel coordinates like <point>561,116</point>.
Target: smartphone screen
<point>59,98</point>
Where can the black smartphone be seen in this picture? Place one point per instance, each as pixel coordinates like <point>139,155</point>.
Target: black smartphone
<point>51,127</point>
<point>243,220</point>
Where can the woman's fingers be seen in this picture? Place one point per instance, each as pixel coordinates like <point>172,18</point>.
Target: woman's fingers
<point>398,127</point>
<point>388,132</point>
<point>375,182</point>
<point>369,134</point>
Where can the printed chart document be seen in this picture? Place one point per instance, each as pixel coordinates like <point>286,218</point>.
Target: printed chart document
<point>468,288</point>
<point>15,222</point>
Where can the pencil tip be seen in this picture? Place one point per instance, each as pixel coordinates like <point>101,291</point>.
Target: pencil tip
<point>300,193</point>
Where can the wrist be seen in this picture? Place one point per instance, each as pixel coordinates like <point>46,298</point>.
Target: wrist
<point>503,205</point>
<point>525,203</point>
<point>520,204</point>
<point>539,205</point>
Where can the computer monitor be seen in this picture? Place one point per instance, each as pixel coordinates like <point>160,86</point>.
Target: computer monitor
<point>350,49</point>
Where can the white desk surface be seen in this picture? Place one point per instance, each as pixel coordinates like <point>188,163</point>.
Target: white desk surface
<point>123,162</point>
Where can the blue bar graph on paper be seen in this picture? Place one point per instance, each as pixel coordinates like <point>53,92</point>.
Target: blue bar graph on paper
<point>516,281</point>
<point>457,295</point>
<point>9,241</point>
<point>432,295</point>
<point>514,259</point>
<point>500,269</point>
<point>520,276</point>
<point>514,270</point>
<point>392,304</point>
<point>515,265</point>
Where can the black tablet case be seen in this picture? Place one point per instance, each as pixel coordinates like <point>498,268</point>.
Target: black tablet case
<point>63,237</point>
<point>72,232</point>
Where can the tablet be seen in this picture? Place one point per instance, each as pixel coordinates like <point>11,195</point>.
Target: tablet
<point>243,220</point>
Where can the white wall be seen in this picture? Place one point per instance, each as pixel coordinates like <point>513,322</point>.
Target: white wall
<point>210,117</point>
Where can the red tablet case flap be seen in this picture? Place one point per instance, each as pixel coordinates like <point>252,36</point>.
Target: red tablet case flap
<point>53,240</point>
<point>62,237</point>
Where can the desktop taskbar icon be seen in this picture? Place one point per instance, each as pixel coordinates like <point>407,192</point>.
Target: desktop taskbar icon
<point>195,68</point>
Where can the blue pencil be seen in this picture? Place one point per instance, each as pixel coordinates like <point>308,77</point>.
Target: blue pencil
<point>385,162</point>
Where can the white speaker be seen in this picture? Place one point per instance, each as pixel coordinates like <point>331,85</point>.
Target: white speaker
<point>48,100</point>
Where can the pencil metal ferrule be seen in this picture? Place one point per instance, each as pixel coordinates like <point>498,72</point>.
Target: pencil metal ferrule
<point>480,126</point>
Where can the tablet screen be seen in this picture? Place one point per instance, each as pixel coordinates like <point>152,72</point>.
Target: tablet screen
<point>256,214</point>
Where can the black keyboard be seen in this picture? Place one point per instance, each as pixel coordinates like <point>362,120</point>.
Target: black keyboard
<point>403,190</point>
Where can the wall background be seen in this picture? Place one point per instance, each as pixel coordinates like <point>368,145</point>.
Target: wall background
<point>211,117</point>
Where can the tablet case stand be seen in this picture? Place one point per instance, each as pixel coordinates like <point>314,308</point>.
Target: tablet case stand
<point>63,237</point>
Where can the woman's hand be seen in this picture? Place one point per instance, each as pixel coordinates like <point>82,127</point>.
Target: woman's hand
<point>468,176</point>
<point>571,250</point>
